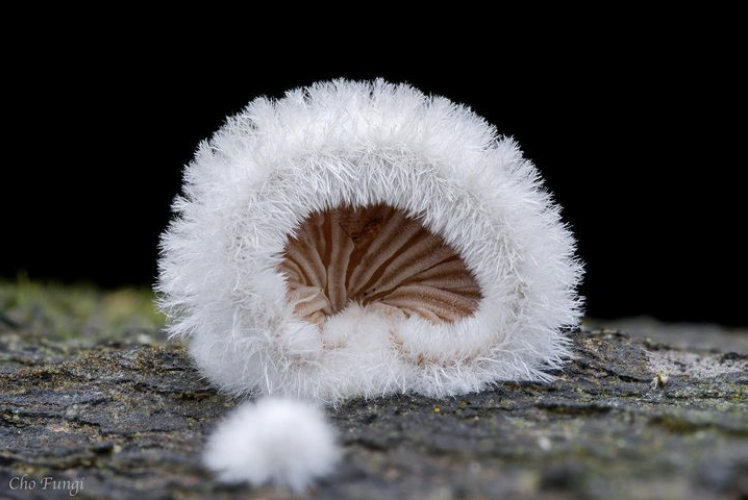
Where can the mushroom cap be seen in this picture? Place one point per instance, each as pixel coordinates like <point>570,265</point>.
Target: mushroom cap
<point>347,147</point>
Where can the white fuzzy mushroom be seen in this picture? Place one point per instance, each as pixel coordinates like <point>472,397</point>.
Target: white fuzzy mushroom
<point>359,239</point>
<point>284,442</point>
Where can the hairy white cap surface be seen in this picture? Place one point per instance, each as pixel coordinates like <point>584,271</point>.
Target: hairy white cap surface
<point>286,442</point>
<point>258,179</point>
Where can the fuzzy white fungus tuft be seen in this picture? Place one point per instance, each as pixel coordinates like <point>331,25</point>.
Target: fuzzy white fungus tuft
<point>286,442</point>
<point>361,239</point>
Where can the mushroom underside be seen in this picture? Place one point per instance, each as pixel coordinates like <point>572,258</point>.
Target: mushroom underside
<point>375,255</point>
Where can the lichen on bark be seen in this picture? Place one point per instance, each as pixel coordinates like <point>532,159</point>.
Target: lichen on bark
<point>86,393</point>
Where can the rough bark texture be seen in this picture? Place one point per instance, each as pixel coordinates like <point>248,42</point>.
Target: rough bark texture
<point>131,416</point>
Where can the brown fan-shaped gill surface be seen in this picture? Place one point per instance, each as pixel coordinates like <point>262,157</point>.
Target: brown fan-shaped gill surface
<point>375,254</point>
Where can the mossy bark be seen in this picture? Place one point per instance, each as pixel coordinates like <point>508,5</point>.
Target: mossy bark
<point>628,418</point>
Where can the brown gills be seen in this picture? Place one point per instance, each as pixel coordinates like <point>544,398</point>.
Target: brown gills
<point>375,254</point>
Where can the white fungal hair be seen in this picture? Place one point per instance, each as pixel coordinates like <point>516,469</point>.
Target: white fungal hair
<point>283,442</point>
<point>359,144</point>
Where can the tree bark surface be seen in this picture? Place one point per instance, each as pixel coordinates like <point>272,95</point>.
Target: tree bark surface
<point>632,416</point>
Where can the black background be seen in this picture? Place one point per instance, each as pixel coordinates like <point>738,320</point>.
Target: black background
<point>641,148</point>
